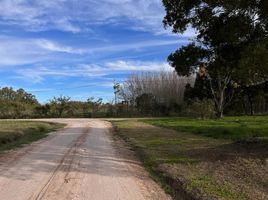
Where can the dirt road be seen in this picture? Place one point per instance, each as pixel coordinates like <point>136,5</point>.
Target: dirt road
<point>78,162</point>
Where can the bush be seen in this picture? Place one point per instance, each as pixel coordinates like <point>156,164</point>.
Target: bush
<point>200,108</point>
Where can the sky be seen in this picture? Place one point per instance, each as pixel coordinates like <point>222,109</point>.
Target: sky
<point>77,48</point>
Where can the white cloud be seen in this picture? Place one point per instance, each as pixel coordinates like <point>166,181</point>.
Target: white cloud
<point>138,45</point>
<point>66,25</point>
<point>122,65</point>
<point>39,73</point>
<point>17,51</point>
<point>20,51</point>
<point>14,51</point>
<point>55,47</point>
<point>74,15</point>
<point>18,11</point>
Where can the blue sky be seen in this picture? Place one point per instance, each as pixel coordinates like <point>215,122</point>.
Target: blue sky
<point>78,47</point>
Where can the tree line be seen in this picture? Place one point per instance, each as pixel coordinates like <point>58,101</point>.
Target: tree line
<point>142,94</point>
<point>165,93</point>
<point>21,104</point>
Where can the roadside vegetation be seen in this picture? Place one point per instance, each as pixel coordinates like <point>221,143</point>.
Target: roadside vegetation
<point>17,133</point>
<point>235,128</point>
<point>193,164</point>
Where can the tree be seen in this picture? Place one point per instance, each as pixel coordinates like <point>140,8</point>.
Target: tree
<point>60,104</point>
<point>94,105</point>
<point>16,103</point>
<point>166,87</point>
<point>116,91</point>
<point>200,90</point>
<point>145,103</point>
<point>230,35</point>
<point>43,110</point>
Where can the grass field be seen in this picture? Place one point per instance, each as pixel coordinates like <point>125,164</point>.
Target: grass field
<point>16,133</point>
<point>213,167</point>
<point>226,128</point>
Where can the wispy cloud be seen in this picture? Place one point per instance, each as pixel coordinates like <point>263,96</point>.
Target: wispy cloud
<point>38,74</point>
<point>122,65</point>
<point>65,25</point>
<point>55,47</point>
<point>139,45</point>
<point>74,16</point>
<point>21,51</point>
<point>18,51</point>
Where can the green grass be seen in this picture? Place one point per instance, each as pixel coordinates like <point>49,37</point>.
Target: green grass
<point>16,133</point>
<point>210,186</point>
<point>195,151</point>
<point>227,128</point>
<point>156,147</point>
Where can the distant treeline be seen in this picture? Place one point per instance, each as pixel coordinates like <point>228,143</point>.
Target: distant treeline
<point>20,104</point>
<point>143,94</point>
<point>146,94</point>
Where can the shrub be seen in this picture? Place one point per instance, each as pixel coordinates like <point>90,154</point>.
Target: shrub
<point>200,108</point>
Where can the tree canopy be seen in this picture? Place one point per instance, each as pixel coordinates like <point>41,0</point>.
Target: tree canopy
<point>230,45</point>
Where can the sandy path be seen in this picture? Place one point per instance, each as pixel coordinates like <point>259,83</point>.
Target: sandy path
<point>78,162</point>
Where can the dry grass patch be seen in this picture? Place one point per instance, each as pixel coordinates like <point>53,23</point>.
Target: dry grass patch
<point>16,133</point>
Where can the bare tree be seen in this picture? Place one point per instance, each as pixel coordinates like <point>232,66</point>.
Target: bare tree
<point>166,87</point>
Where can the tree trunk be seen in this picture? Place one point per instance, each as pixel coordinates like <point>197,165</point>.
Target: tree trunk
<point>219,102</point>
<point>220,114</point>
<point>251,105</point>
<point>219,94</point>
<point>245,106</point>
<point>219,111</point>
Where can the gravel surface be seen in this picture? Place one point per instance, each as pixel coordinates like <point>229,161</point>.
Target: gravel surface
<point>77,162</point>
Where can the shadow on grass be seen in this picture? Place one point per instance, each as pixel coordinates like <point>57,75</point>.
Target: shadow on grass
<point>250,149</point>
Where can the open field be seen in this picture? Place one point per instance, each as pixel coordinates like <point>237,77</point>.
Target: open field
<point>17,133</point>
<point>195,163</point>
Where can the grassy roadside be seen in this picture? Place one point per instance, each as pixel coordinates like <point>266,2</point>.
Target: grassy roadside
<point>194,166</point>
<point>235,128</point>
<point>16,133</point>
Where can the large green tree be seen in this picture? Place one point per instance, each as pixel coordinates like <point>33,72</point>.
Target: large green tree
<point>230,45</point>
<point>16,103</point>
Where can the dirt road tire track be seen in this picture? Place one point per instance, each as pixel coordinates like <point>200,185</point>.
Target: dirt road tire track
<point>79,162</point>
